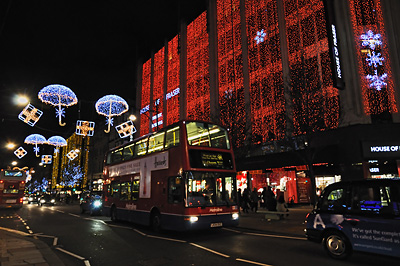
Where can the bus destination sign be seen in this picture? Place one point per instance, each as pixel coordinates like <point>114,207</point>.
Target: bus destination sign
<point>212,160</point>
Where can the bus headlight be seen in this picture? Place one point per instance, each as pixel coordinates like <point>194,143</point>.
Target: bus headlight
<point>193,219</point>
<point>235,216</point>
<point>96,203</point>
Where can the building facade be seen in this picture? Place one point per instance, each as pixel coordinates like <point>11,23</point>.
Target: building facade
<point>306,88</point>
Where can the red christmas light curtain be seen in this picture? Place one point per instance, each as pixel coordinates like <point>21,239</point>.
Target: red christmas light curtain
<point>198,86</point>
<point>158,91</point>
<point>173,90</point>
<point>145,102</point>
<point>315,102</point>
<point>373,59</point>
<point>265,69</point>
<point>230,72</point>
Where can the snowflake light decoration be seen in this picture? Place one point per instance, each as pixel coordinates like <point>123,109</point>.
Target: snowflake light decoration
<point>109,106</point>
<point>58,95</point>
<point>377,81</point>
<point>84,128</point>
<point>126,129</point>
<point>73,154</point>
<point>371,40</point>
<point>260,36</point>
<point>36,150</point>
<point>20,152</point>
<point>47,159</point>
<point>30,115</point>
<point>375,59</point>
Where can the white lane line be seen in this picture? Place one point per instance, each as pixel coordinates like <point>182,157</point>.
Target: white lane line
<point>139,232</point>
<point>70,253</point>
<point>169,239</point>
<point>276,236</point>
<point>55,241</point>
<point>87,263</point>
<point>253,262</point>
<point>118,226</point>
<point>74,215</point>
<point>96,220</point>
<point>231,230</point>
<point>30,231</point>
<point>59,211</point>
<point>210,250</point>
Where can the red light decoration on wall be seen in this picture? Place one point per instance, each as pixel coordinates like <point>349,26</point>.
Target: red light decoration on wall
<point>315,101</point>
<point>265,70</point>
<point>158,90</point>
<point>198,86</point>
<point>145,102</point>
<point>172,97</point>
<point>230,73</point>
<point>377,85</point>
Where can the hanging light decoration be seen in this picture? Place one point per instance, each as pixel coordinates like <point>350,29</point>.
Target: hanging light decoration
<point>109,106</point>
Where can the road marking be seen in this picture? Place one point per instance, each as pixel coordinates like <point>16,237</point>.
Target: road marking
<point>139,232</point>
<point>87,263</point>
<point>55,241</point>
<point>253,262</point>
<point>165,238</point>
<point>210,250</point>
<point>96,220</point>
<point>74,215</point>
<point>276,236</point>
<point>119,226</point>
<point>70,253</point>
<point>235,231</point>
<point>59,211</point>
<point>30,231</point>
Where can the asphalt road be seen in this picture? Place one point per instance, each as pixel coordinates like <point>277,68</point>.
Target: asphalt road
<point>81,239</point>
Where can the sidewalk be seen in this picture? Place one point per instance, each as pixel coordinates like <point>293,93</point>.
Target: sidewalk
<point>292,225</point>
<point>18,249</point>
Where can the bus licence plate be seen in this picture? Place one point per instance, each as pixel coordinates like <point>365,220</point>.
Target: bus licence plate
<point>11,201</point>
<point>216,224</point>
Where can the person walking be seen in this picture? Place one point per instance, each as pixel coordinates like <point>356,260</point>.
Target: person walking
<point>281,206</point>
<point>254,200</point>
<point>271,201</point>
<point>246,200</point>
<point>240,198</point>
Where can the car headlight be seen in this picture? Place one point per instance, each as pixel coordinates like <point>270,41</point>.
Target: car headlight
<point>235,216</point>
<point>42,201</point>
<point>30,199</point>
<point>96,203</point>
<point>193,219</point>
<point>52,200</point>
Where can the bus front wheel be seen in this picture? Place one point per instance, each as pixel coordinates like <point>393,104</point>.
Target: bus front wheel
<point>155,221</point>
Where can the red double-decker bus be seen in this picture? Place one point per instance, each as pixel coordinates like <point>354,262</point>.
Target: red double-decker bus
<point>12,186</point>
<point>182,177</point>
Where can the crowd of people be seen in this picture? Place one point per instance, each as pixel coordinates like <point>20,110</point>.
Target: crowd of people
<point>251,200</point>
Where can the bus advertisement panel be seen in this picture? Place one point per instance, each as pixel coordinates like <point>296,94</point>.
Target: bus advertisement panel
<point>12,186</point>
<point>182,177</point>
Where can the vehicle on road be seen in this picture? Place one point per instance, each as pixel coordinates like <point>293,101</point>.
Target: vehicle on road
<point>12,186</point>
<point>33,198</point>
<point>359,215</point>
<point>181,177</point>
<point>46,199</point>
<point>91,202</point>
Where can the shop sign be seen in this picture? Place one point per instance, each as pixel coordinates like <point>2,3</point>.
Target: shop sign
<point>381,149</point>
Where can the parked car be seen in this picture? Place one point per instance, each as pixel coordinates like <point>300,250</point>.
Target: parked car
<point>359,215</point>
<point>91,202</point>
<point>46,199</point>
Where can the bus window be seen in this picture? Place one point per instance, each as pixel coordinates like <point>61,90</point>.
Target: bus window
<point>219,137</point>
<point>197,134</point>
<point>172,137</point>
<point>117,155</point>
<point>141,147</point>
<point>175,189</point>
<point>108,159</point>
<point>156,142</point>
<point>129,152</point>
<point>114,190</point>
<point>135,188</point>
<point>125,193</point>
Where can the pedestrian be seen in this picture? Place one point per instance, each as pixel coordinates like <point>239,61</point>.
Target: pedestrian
<point>271,201</point>
<point>281,206</point>
<point>246,200</point>
<point>263,202</point>
<point>240,198</point>
<point>254,200</point>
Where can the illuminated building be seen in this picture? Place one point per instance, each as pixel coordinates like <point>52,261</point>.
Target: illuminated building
<point>307,88</point>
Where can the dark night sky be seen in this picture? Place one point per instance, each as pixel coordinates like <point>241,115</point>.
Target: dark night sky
<point>88,46</point>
